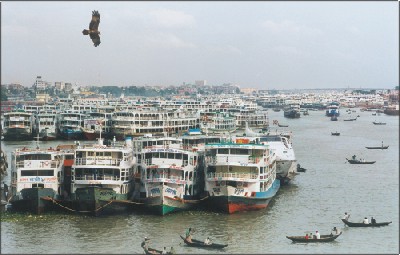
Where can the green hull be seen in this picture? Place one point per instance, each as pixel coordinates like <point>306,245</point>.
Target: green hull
<point>98,201</point>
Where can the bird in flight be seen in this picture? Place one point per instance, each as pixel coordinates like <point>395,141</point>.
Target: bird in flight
<point>93,31</point>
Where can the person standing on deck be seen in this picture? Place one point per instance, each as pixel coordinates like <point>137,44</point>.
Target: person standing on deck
<point>346,216</point>
<point>365,221</point>
<point>317,235</point>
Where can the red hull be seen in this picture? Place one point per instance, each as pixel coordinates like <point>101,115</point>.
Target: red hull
<point>234,207</point>
<point>91,136</point>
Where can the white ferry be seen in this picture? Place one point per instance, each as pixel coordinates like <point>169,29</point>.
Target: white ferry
<point>281,144</point>
<point>46,125</point>
<point>218,123</point>
<point>101,178</point>
<point>240,175</point>
<point>18,126</point>
<point>170,176</point>
<point>157,122</point>
<point>70,125</point>
<point>36,179</point>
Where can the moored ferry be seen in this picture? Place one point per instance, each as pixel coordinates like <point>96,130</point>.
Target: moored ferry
<point>70,125</point>
<point>101,178</point>
<point>151,121</point>
<point>97,125</point>
<point>171,177</point>
<point>36,179</point>
<point>281,144</point>
<point>18,126</point>
<point>46,126</point>
<point>240,175</point>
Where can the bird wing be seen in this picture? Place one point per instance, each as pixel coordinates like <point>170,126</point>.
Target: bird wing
<point>94,23</point>
<point>95,39</point>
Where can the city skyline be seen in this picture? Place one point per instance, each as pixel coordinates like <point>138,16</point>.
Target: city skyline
<point>261,45</point>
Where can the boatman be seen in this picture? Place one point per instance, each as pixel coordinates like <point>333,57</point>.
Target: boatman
<point>346,216</point>
<point>145,243</point>
<point>189,235</point>
<point>365,221</point>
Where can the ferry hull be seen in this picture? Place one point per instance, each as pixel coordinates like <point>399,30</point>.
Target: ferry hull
<point>32,200</point>
<point>231,204</point>
<point>71,134</point>
<point>17,134</point>
<point>163,206</point>
<point>98,201</point>
<point>44,135</point>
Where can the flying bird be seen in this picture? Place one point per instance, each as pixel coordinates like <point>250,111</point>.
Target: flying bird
<point>93,31</point>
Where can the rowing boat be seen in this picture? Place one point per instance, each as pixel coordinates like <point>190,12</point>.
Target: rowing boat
<point>200,244</point>
<point>363,225</point>
<point>323,238</point>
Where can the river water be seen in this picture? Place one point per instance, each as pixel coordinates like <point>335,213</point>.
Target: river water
<point>315,200</point>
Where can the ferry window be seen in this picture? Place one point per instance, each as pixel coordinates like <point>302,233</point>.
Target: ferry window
<point>69,156</point>
<point>147,155</point>
<point>163,155</point>
<point>79,154</point>
<point>37,172</point>
<point>37,185</point>
<point>90,153</point>
<point>171,155</point>
<point>223,151</point>
<point>107,154</point>
<point>185,157</point>
<point>178,156</point>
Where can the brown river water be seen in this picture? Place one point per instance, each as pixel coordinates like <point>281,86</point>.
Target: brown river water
<point>314,200</point>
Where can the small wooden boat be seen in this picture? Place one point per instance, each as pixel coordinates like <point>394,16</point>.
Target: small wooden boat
<point>379,123</point>
<point>150,251</point>
<point>200,244</point>
<point>323,239</point>
<point>335,133</point>
<point>363,225</point>
<point>280,125</point>
<point>359,161</point>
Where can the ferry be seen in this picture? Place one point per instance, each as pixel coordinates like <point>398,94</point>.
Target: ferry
<point>18,126</point>
<point>332,110</point>
<point>70,125</point>
<point>46,126</point>
<point>218,123</point>
<point>94,124</point>
<point>171,176</point>
<point>281,144</point>
<point>240,175</point>
<point>36,179</point>
<point>101,178</point>
<point>139,122</point>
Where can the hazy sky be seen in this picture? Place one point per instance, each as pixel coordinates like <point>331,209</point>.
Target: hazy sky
<point>264,45</point>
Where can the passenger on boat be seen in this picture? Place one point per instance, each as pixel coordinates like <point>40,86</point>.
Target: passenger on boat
<point>189,235</point>
<point>310,236</point>
<point>354,157</point>
<point>306,236</point>
<point>373,221</point>
<point>346,216</point>
<point>145,243</point>
<point>207,241</point>
<point>164,251</point>
<point>317,235</point>
<point>172,251</point>
<point>365,221</point>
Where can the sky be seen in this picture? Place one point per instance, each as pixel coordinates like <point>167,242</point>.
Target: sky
<point>261,45</point>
